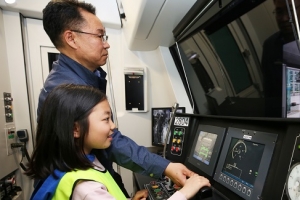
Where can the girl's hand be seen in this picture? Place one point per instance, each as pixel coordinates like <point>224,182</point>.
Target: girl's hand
<point>141,195</point>
<point>193,185</point>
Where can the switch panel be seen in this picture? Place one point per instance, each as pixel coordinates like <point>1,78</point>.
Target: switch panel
<point>8,107</point>
<point>179,134</point>
<point>177,141</point>
<point>10,136</point>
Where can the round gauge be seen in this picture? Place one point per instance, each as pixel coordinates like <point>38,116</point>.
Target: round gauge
<point>293,182</point>
<point>239,150</point>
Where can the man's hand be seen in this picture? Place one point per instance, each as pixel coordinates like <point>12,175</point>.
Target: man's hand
<point>178,173</point>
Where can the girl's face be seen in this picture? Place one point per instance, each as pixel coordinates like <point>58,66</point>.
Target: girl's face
<point>100,128</point>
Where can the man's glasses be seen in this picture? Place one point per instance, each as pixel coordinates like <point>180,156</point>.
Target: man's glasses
<point>104,37</point>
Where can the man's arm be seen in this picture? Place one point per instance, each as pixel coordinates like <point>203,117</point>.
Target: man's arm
<point>128,154</point>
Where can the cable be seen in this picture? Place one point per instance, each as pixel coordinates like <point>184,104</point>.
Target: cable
<point>24,150</point>
<point>112,101</point>
<point>22,165</point>
<point>174,109</point>
<point>24,153</point>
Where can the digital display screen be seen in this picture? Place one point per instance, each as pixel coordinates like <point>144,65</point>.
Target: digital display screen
<point>204,147</point>
<point>243,160</point>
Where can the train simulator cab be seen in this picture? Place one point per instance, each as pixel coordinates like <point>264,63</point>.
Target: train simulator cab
<point>242,80</point>
<point>232,67</point>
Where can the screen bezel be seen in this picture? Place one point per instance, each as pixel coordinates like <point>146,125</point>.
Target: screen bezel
<point>284,91</point>
<point>268,139</point>
<point>182,109</point>
<point>210,168</point>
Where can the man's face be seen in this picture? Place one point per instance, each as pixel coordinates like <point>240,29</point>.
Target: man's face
<point>92,51</point>
<point>282,16</point>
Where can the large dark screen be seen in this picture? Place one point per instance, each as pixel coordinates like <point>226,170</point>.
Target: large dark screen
<point>243,160</point>
<point>236,68</point>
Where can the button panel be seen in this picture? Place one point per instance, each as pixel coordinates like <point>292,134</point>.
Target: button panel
<point>235,185</point>
<point>8,107</point>
<point>177,141</point>
<point>157,191</point>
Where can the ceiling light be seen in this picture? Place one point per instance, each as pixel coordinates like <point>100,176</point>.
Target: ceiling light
<point>10,1</point>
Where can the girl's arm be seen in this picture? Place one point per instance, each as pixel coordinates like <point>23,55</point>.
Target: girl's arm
<point>190,188</point>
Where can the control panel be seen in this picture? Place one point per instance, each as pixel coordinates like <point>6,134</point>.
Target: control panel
<point>236,185</point>
<point>10,136</point>
<point>9,188</point>
<point>177,141</point>
<point>156,190</point>
<point>161,189</point>
<point>164,188</point>
<point>8,156</point>
<point>8,107</point>
<point>176,146</point>
<point>242,158</point>
<point>244,161</point>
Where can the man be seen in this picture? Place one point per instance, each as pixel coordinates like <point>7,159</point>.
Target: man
<point>272,58</point>
<point>80,37</point>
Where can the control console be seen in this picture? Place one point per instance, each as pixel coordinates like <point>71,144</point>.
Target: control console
<point>161,188</point>
<point>156,190</point>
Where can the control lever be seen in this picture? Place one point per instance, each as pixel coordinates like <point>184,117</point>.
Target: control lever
<point>204,192</point>
<point>174,109</point>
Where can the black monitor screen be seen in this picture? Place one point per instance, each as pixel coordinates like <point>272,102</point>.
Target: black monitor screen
<point>292,93</point>
<point>204,146</point>
<point>243,160</point>
<point>291,81</point>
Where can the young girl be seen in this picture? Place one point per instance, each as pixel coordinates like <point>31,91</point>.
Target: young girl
<point>75,120</point>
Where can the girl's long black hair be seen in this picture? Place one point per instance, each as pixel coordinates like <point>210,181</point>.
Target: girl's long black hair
<point>56,147</point>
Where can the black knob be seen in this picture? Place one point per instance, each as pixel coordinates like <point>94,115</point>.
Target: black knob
<point>204,192</point>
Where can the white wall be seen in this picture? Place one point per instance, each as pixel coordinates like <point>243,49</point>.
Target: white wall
<point>16,75</point>
<point>5,86</point>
